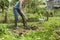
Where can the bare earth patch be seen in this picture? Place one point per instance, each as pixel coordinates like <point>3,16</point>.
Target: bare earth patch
<point>21,30</point>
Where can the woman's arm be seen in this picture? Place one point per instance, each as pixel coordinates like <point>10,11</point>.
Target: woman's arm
<point>21,4</point>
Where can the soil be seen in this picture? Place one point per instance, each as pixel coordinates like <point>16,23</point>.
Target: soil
<point>22,30</point>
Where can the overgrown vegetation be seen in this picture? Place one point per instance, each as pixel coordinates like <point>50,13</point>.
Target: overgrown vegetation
<point>46,29</point>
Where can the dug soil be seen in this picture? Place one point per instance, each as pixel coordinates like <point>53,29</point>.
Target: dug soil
<point>21,30</point>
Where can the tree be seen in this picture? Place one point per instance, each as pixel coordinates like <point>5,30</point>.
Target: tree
<point>31,6</point>
<point>3,4</point>
<point>13,2</point>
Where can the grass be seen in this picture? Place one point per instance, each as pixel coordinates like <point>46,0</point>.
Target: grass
<point>48,33</point>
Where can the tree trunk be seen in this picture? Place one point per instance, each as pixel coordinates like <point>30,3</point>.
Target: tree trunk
<point>6,17</point>
<point>2,10</point>
<point>47,16</point>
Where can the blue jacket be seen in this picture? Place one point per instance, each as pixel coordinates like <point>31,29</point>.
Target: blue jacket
<point>17,5</point>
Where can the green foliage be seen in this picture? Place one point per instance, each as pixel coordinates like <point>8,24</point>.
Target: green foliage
<point>57,12</point>
<point>40,35</point>
<point>46,34</point>
<point>4,3</point>
<point>5,33</point>
<point>31,6</point>
<point>33,12</point>
<point>52,23</point>
<point>13,2</point>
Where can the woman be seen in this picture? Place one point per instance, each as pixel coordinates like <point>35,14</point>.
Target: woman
<point>18,10</point>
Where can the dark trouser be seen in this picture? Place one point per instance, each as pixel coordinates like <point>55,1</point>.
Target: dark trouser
<point>16,11</point>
